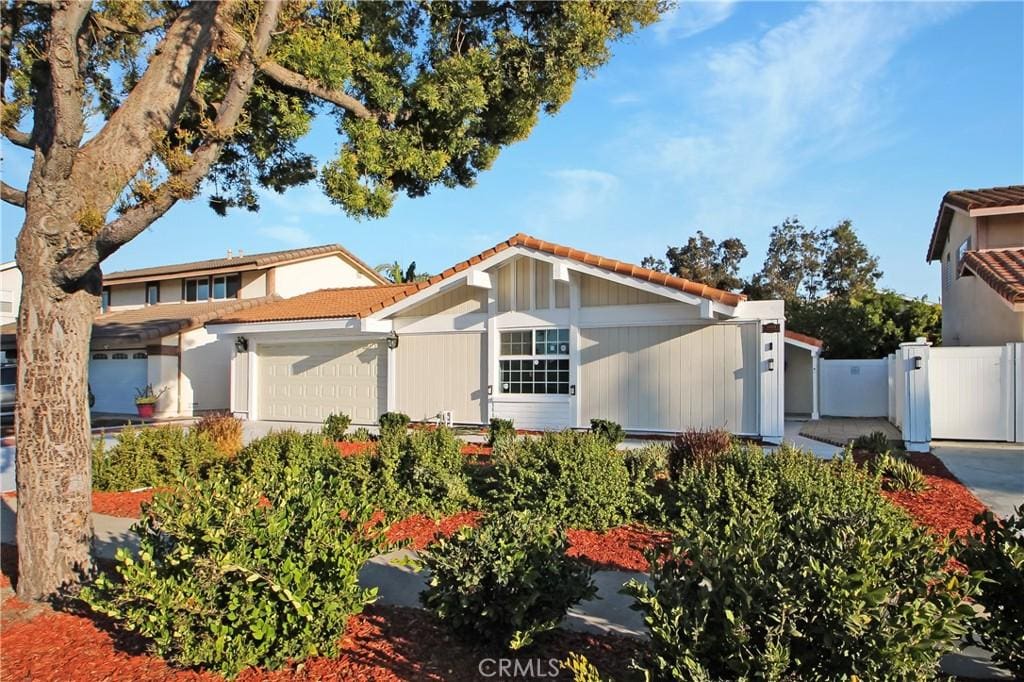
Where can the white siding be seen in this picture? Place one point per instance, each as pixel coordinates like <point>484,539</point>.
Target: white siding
<point>436,372</point>
<point>331,271</point>
<point>534,415</point>
<point>672,377</point>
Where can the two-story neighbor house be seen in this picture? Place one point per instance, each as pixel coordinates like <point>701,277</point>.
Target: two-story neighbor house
<point>979,239</point>
<point>150,326</point>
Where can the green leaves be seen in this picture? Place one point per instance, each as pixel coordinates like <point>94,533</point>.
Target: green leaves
<point>152,457</point>
<point>505,581</point>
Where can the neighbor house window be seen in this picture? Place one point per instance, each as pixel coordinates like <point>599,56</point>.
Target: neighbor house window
<point>961,253</point>
<point>197,289</point>
<point>105,299</point>
<point>152,293</point>
<point>535,361</point>
<point>226,286</point>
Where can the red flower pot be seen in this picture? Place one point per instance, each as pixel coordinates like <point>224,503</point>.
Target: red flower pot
<point>145,409</point>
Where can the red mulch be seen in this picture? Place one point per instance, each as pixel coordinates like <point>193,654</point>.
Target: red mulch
<point>946,504</point>
<point>421,530</point>
<point>122,503</point>
<point>347,449</point>
<point>619,549</point>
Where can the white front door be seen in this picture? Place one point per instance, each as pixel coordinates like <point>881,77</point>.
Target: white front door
<point>114,375</point>
<point>308,381</point>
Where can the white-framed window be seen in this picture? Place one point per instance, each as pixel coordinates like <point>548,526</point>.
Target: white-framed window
<point>534,361</point>
<point>197,289</point>
<point>226,286</point>
<point>152,293</point>
<point>105,299</point>
<point>961,253</point>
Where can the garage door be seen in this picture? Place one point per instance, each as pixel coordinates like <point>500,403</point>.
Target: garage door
<point>671,378</point>
<point>113,378</point>
<point>307,381</point>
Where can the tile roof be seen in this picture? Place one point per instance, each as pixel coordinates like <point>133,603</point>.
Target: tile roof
<point>141,325</point>
<point>1001,269</point>
<point>804,338</point>
<point>969,200</point>
<point>318,305</point>
<point>256,260</point>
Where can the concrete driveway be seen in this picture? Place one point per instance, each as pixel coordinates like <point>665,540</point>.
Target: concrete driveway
<point>993,471</point>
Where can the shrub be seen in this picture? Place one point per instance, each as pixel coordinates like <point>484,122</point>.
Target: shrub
<point>897,473</point>
<point>360,435</point>
<point>576,479</point>
<point>272,460</point>
<point>609,430</point>
<point>876,442</point>
<point>504,581</point>
<point>788,567</point>
<point>152,456</point>
<point>430,472</point>
<point>392,423</point>
<point>696,447</point>
<point>645,466</point>
<point>335,426</point>
<point>581,669</point>
<point>998,550</point>
<point>224,430</point>
<point>230,574</point>
<point>500,431</point>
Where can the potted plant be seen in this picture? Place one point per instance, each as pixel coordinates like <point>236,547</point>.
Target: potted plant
<point>145,400</point>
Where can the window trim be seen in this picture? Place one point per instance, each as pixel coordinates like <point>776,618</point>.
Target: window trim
<point>153,285</point>
<point>226,279</point>
<point>197,280</point>
<point>534,356</point>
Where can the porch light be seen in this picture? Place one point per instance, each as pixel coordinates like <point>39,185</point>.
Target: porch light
<point>771,364</point>
<point>241,344</point>
<point>917,362</point>
<point>392,341</point>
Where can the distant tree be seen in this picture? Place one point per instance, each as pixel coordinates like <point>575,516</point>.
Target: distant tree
<point>704,260</point>
<point>848,268</point>
<point>792,265</point>
<point>395,273</point>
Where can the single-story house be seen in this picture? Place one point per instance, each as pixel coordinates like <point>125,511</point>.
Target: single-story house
<point>543,334</point>
<point>150,326</point>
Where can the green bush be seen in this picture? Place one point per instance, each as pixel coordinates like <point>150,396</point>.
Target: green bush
<point>609,430</point>
<point>360,435</point>
<point>505,581</point>
<point>336,426</point>
<point>788,567</point>
<point>152,456</point>
<point>272,461</point>
<point>876,442</point>
<point>393,423</point>
<point>998,550</point>
<point>696,447</point>
<point>646,466</point>
<point>231,574</point>
<point>897,473</point>
<point>501,432</point>
<point>431,472</point>
<point>576,479</point>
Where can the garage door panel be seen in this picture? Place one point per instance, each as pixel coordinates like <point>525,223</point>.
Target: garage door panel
<point>309,381</point>
<point>114,376</point>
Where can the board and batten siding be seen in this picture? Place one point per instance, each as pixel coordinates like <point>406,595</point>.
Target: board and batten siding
<point>595,291</point>
<point>459,301</point>
<point>438,372</point>
<point>672,377</point>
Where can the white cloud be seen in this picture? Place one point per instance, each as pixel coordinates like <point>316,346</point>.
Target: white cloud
<point>688,19</point>
<point>308,198</point>
<point>289,235</point>
<point>580,192</point>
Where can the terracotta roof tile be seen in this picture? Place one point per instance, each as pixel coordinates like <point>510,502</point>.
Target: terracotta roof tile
<point>256,260</point>
<point>321,304</point>
<point>969,200</point>
<point>804,338</point>
<point>1001,269</point>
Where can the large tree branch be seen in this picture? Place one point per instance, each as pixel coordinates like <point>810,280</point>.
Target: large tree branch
<point>296,81</point>
<point>136,219</point>
<point>115,26</point>
<point>12,195</point>
<point>19,138</point>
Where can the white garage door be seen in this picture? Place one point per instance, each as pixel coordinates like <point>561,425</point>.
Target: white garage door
<point>113,377</point>
<point>307,381</point>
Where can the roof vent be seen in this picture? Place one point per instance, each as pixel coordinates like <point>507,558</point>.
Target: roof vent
<point>229,254</point>
<point>240,253</point>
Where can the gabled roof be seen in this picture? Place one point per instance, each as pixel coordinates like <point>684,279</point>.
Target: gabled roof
<point>1001,269</point>
<point>610,264</point>
<point>970,200</point>
<point>150,323</point>
<point>318,305</point>
<point>249,262</point>
<point>804,338</point>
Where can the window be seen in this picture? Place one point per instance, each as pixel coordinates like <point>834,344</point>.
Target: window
<point>530,362</point>
<point>226,286</point>
<point>947,271</point>
<point>99,356</point>
<point>152,293</point>
<point>139,355</point>
<point>961,252</point>
<point>119,356</point>
<point>105,299</point>
<point>197,289</point>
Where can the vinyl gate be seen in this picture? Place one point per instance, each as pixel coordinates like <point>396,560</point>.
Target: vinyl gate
<point>973,392</point>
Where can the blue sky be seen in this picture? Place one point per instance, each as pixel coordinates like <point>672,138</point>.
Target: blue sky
<point>723,117</point>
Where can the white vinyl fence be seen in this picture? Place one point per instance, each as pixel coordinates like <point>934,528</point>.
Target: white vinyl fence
<point>854,388</point>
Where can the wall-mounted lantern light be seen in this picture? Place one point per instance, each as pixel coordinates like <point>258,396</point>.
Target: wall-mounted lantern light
<point>917,362</point>
<point>392,341</point>
<point>241,344</point>
<point>771,364</point>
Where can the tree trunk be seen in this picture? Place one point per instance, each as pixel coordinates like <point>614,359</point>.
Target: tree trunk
<point>54,467</point>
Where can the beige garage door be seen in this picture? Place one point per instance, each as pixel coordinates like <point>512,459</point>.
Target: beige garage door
<point>308,381</point>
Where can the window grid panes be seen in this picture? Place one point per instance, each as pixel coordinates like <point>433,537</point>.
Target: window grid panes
<point>534,371</point>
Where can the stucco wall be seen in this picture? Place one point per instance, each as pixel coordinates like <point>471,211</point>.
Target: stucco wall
<point>205,383</point>
<point>240,389</point>
<point>973,314</point>
<point>1000,231</point>
<point>799,377</point>
<point>319,273</point>
<point>436,372</point>
<point>10,294</point>
<point>254,284</point>
<point>671,378</point>
<point>127,296</point>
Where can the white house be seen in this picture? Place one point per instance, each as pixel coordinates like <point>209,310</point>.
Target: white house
<point>543,334</point>
<point>10,292</point>
<point>150,326</point>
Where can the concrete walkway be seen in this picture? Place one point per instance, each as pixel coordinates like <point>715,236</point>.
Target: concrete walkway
<point>794,436</point>
<point>993,471</point>
<point>841,430</point>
